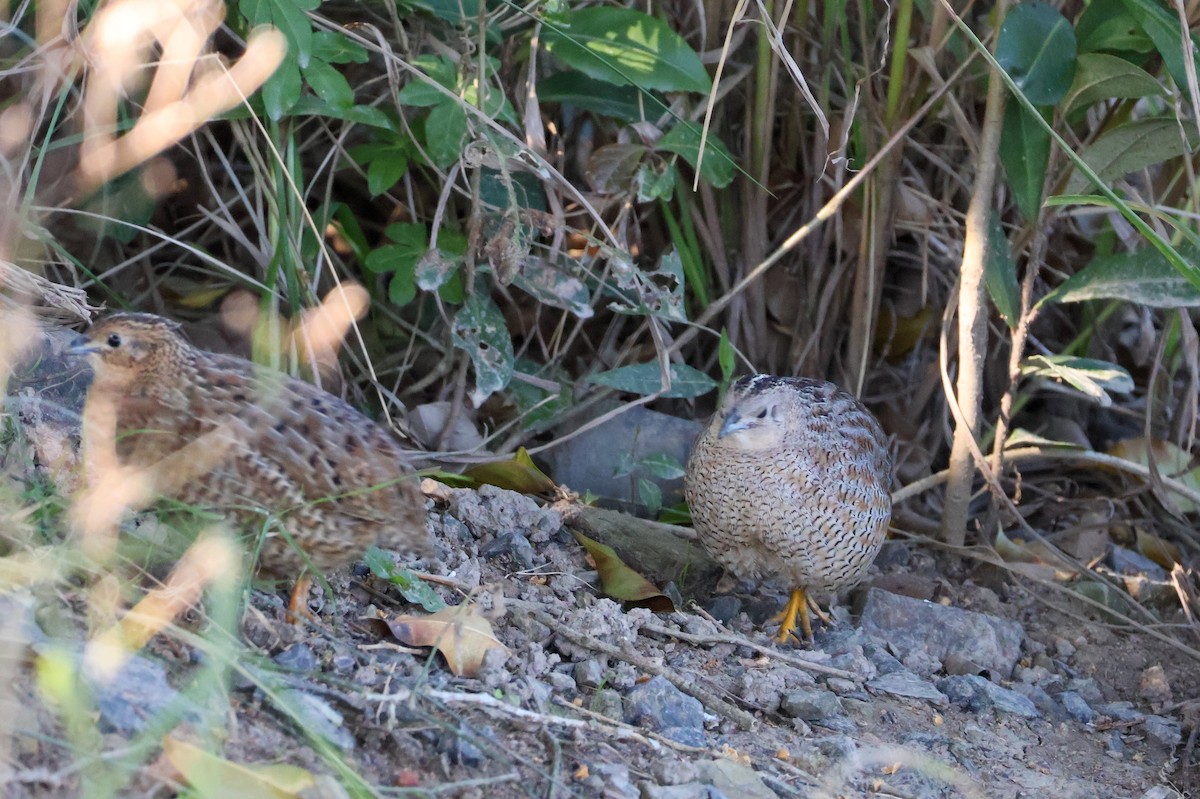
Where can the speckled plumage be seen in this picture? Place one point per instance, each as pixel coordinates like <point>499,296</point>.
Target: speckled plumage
<point>335,481</point>
<point>791,481</point>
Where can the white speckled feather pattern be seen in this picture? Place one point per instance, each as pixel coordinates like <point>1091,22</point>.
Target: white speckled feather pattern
<point>791,481</point>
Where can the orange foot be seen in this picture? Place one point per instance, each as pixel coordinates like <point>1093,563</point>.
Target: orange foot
<point>298,604</point>
<point>797,606</point>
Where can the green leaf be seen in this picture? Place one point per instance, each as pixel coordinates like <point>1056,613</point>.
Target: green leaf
<point>411,587</point>
<point>646,378</point>
<point>479,329</point>
<point>718,167</point>
<point>623,46</point>
<point>1133,146</point>
<point>337,48</point>
<point>650,495</point>
<point>329,84</point>
<point>1000,274</point>
<point>663,466</point>
<point>400,259</point>
<point>309,105</point>
<point>290,17</point>
<point>1162,27</point>
<point>1036,47</point>
<point>1025,152</point>
<point>621,103</point>
<point>445,133</point>
<point>1092,377</point>
<point>1104,77</point>
<point>726,359</point>
<point>282,90</point>
<point>1144,277</point>
<point>1107,25</point>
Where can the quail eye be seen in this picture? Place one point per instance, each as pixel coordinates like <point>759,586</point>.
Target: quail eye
<point>114,341</point>
<point>761,414</point>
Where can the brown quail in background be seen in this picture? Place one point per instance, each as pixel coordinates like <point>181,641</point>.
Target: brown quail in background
<point>791,481</point>
<point>332,481</point>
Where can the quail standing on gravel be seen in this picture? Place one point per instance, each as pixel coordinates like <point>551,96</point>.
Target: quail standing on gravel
<point>791,481</point>
<point>324,481</point>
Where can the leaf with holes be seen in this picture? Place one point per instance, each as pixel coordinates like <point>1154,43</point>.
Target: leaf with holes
<point>480,331</point>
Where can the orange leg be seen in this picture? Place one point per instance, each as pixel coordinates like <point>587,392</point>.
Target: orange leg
<point>797,606</point>
<point>298,604</point>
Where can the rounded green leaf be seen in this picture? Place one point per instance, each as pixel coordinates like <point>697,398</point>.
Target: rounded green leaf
<point>622,46</point>
<point>1104,77</point>
<point>1036,47</point>
<point>646,378</point>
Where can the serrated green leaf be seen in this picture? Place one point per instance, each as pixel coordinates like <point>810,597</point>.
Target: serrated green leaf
<point>1025,152</point>
<point>622,46</point>
<point>646,378</point>
<point>479,330</point>
<point>1144,277</point>
<point>1000,274</point>
<point>1132,146</point>
<point>1091,377</point>
<point>1036,47</point>
<point>1105,77</point>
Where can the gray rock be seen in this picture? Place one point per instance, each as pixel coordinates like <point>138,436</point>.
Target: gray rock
<point>616,781</point>
<point>298,658</point>
<point>1115,746</point>
<point>511,546</point>
<point>1165,731</point>
<point>589,673</point>
<point>735,780</point>
<point>588,461</point>
<point>724,608</point>
<point>1087,688</point>
<point>134,696</point>
<point>608,702</point>
<point>1127,562</point>
<point>314,715</point>
<point>840,685</point>
<point>811,705</point>
<point>1064,648</point>
<point>1077,707</point>
<point>905,683</point>
<point>690,790</point>
<point>660,706</point>
<point>1121,711</point>
<point>913,625</point>
<point>976,694</point>
<point>881,659</point>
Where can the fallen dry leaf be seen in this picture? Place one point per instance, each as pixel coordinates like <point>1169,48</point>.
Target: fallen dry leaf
<point>621,582</point>
<point>461,634</point>
<point>517,473</point>
<point>217,778</point>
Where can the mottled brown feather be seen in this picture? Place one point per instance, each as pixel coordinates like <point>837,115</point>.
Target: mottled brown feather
<point>336,481</point>
<point>797,489</point>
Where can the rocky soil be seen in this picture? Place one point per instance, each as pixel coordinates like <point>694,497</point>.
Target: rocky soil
<point>942,677</point>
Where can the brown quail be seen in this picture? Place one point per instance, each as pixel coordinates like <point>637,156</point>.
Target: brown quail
<point>324,480</point>
<point>790,481</point>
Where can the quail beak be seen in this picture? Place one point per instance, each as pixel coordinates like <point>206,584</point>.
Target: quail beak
<point>732,424</point>
<point>81,345</point>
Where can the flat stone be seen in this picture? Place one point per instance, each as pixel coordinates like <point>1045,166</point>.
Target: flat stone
<point>913,625</point>
<point>1077,707</point>
<point>1120,711</point>
<point>134,696</point>
<point>811,705</point>
<point>976,694</point>
<point>1168,732</point>
<point>690,790</point>
<point>735,780</point>
<point>589,673</point>
<point>660,706</point>
<point>905,683</point>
